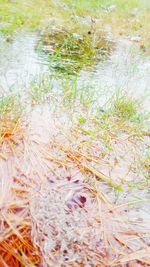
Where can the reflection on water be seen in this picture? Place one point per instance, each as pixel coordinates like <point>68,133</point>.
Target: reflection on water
<point>125,69</point>
<point>19,62</point>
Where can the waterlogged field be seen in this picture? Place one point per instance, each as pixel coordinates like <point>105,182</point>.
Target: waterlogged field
<point>74,133</point>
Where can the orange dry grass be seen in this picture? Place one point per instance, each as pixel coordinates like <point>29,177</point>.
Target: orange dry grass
<point>40,181</point>
<point>9,129</point>
<point>16,246</point>
<point>123,234</point>
<point>18,250</point>
<point>11,111</point>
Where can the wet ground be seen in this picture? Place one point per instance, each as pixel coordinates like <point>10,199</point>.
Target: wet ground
<point>19,61</point>
<point>68,170</point>
<point>126,69</point>
<point>61,179</point>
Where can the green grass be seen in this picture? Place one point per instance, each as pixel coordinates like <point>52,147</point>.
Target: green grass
<point>10,105</point>
<point>93,131</point>
<point>40,90</point>
<point>11,110</point>
<point>75,47</point>
<point>125,108</point>
<point>93,7</point>
<point>76,44</point>
<point>129,17</point>
<point>82,120</point>
<point>74,95</point>
<point>121,115</point>
<point>16,15</point>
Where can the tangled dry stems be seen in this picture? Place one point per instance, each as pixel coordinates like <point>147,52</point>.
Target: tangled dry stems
<point>57,207</point>
<point>11,111</point>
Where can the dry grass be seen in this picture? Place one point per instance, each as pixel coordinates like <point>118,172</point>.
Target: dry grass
<point>120,240</point>
<point>18,250</point>
<point>58,202</point>
<point>65,192</point>
<point>16,247</point>
<point>11,111</point>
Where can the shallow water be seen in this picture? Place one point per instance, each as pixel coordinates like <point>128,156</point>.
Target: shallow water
<point>19,61</point>
<point>126,68</point>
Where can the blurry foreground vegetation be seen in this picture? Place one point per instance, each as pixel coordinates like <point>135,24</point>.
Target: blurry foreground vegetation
<point>122,17</point>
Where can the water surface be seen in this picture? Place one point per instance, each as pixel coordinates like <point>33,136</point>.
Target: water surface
<point>127,68</point>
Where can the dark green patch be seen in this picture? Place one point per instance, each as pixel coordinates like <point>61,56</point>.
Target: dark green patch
<point>71,50</point>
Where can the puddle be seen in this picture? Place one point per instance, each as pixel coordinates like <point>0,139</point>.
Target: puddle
<point>76,215</point>
<point>72,49</point>
<point>126,68</point>
<point>84,222</point>
<point>19,62</point>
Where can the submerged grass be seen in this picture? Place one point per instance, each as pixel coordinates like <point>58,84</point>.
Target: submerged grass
<point>76,174</point>
<point>40,90</point>
<point>63,179</point>
<point>74,95</point>
<point>121,119</point>
<point>75,47</point>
